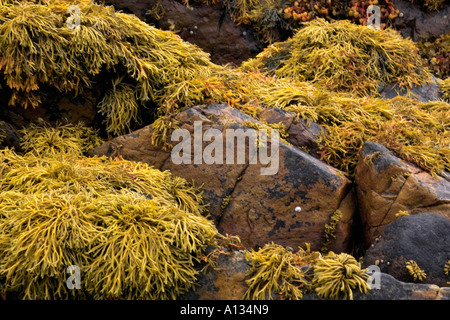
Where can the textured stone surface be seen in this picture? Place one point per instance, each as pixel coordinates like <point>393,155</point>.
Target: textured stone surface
<point>417,21</point>
<point>427,92</point>
<point>209,27</point>
<point>424,238</point>
<point>386,185</point>
<point>258,208</point>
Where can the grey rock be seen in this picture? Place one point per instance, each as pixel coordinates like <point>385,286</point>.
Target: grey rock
<point>424,238</point>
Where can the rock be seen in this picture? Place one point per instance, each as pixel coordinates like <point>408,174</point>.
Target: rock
<point>386,185</point>
<point>424,93</point>
<point>418,21</point>
<point>258,208</point>
<point>208,26</point>
<point>56,106</point>
<point>300,134</point>
<point>12,137</point>
<point>424,238</point>
<point>226,281</point>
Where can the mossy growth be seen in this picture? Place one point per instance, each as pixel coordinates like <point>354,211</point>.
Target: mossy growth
<point>42,139</point>
<point>414,271</point>
<point>276,270</point>
<point>135,232</point>
<point>343,56</point>
<point>150,67</point>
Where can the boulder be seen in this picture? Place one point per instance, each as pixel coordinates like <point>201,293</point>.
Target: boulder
<point>290,206</point>
<point>386,185</point>
<point>424,238</point>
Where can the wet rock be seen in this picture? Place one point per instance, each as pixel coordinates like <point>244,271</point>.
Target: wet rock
<point>208,26</point>
<point>423,237</point>
<point>226,281</point>
<point>290,206</point>
<point>12,136</point>
<point>417,20</point>
<point>424,93</point>
<point>386,185</point>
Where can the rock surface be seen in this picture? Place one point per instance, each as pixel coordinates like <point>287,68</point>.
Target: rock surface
<point>424,93</point>
<point>208,26</point>
<point>386,185</point>
<point>227,282</point>
<point>424,238</point>
<point>258,208</point>
<point>418,21</point>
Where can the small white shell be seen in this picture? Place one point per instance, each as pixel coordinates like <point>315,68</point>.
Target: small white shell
<point>298,209</point>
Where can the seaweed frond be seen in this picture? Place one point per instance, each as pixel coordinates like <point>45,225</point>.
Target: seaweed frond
<point>444,86</point>
<point>330,229</point>
<point>415,271</point>
<point>42,139</point>
<point>274,270</point>
<point>343,56</point>
<point>336,274</point>
<point>135,232</point>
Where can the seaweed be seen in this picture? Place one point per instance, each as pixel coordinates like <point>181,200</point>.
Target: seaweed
<point>444,86</point>
<point>135,232</point>
<point>436,54</point>
<point>274,270</point>
<point>330,229</point>
<point>336,274</point>
<point>42,139</point>
<point>414,271</point>
<point>343,56</point>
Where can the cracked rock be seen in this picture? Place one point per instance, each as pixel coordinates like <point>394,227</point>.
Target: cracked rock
<point>242,201</point>
<point>387,185</point>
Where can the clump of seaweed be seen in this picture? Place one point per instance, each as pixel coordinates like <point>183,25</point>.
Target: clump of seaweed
<point>2,134</point>
<point>431,5</point>
<point>342,56</point>
<point>42,139</point>
<point>436,53</point>
<point>336,274</point>
<point>135,232</point>
<point>415,271</point>
<point>330,229</point>
<point>148,65</point>
<point>447,268</point>
<point>274,270</point>
<point>444,86</point>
